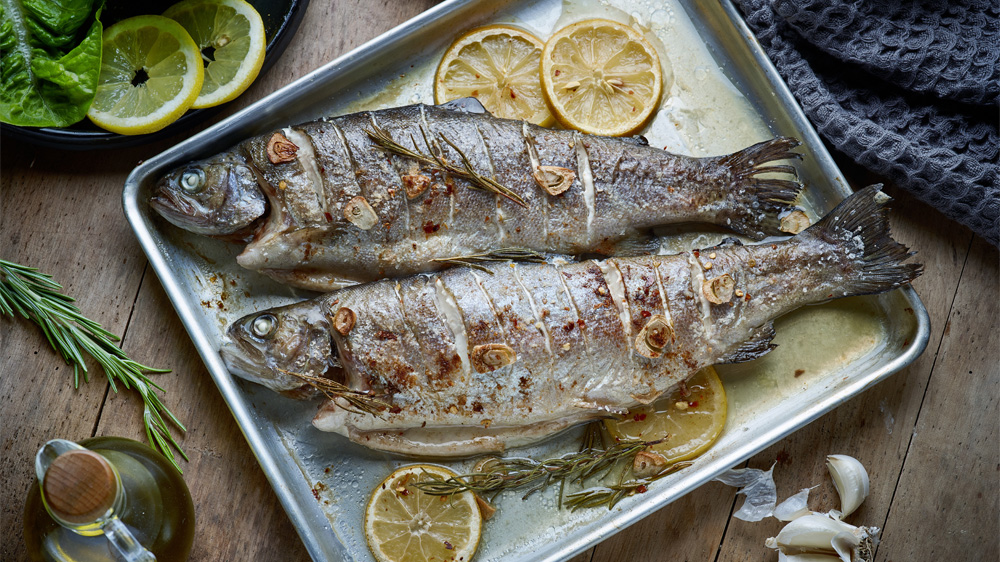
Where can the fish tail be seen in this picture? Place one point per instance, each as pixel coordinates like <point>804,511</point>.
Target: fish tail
<point>757,205</point>
<point>858,230</point>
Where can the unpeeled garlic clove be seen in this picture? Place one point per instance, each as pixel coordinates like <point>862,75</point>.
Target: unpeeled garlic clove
<point>808,557</point>
<point>811,533</point>
<point>851,480</point>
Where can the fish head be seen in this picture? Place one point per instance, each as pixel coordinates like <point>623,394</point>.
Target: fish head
<point>281,347</point>
<point>218,196</point>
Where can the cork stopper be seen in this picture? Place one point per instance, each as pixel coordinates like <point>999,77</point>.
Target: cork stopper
<point>79,486</point>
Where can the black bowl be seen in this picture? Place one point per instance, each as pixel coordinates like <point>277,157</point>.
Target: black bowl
<point>281,20</point>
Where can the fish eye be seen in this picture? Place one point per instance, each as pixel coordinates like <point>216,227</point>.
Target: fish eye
<point>192,180</point>
<point>264,325</point>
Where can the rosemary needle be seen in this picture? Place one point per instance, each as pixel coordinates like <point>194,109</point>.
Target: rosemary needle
<point>37,297</point>
<point>435,159</point>
<point>508,473</point>
<point>358,402</point>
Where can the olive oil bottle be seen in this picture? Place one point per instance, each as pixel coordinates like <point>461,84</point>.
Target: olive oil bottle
<point>107,499</point>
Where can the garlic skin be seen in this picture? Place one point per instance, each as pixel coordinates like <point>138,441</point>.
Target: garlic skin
<point>794,507</point>
<point>851,480</point>
<point>759,489</point>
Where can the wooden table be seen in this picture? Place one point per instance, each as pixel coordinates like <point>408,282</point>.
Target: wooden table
<point>928,435</point>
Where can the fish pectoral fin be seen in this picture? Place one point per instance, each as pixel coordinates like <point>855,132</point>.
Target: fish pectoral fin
<point>648,397</point>
<point>465,105</point>
<point>642,245</point>
<point>757,346</point>
<point>319,281</point>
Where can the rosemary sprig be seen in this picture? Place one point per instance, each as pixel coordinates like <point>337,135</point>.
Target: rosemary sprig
<point>360,402</point>
<point>503,254</point>
<point>383,139</point>
<point>611,495</point>
<point>510,473</point>
<point>37,297</point>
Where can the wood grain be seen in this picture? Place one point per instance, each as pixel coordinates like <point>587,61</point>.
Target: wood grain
<point>874,427</point>
<point>62,214</point>
<point>949,479</point>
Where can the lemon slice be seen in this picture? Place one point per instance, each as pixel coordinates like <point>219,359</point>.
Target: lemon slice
<point>601,77</point>
<point>230,35</point>
<point>498,65</point>
<point>403,524</point>
<point>151,73</point>
<point>690,423</point>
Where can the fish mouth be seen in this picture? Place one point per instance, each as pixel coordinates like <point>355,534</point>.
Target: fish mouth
<point>249,363</point>
<point>177,209</point>
<point>249,366</point>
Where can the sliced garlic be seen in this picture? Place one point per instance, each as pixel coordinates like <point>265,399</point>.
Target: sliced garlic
<point>851,480</point>
<point>647,464</point>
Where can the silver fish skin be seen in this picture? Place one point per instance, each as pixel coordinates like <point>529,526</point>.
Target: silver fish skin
<point>467,361</point>
<point>342,209</point>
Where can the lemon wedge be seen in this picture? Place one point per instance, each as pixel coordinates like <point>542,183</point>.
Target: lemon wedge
<point>151,73</point>
<point>498,65</point>
<point>230,35</point>
<point>690,423</point>
<point>601,77</point>
<point>403,524</point>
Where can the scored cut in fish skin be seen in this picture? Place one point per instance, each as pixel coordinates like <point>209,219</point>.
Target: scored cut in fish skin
<point>573,335</point>
<point>620,189</point>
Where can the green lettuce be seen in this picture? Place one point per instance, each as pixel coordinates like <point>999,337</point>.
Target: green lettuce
<point>50,60</point>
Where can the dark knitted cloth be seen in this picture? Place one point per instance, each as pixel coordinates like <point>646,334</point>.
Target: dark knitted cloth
<point>907,88</point>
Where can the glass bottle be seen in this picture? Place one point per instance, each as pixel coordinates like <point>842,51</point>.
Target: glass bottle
<point>108,498</point>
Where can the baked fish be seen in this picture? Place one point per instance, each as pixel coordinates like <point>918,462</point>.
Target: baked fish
<point>387,193</point>
<point>512,353</point>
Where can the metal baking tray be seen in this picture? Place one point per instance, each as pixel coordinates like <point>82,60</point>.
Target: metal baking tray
<point>323,481</point>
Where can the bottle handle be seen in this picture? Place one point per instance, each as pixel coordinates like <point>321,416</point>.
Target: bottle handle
<point>124,543</point>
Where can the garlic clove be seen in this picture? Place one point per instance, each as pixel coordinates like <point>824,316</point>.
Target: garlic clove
<point>851,480</point>
<point>844,544</point>
<point>812,533</point>
<point>808,557</point>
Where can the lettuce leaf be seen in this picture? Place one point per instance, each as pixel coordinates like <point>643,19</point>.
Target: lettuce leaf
<point>50,60</point>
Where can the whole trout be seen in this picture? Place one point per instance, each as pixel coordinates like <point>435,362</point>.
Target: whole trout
<point>513,354</point>
<point>398,191</point>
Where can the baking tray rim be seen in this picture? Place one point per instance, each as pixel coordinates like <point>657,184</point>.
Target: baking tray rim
<point>617,520</point>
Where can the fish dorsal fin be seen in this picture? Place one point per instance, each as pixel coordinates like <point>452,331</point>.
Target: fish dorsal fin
<point>758,345</point>
<point>465,105</point>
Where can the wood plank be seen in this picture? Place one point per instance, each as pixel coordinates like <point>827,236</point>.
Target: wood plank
<point>874,427</point>
<point>61,214</point>
<point>233,500</point>
<point>689,529</point>
<point>946,503</point>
